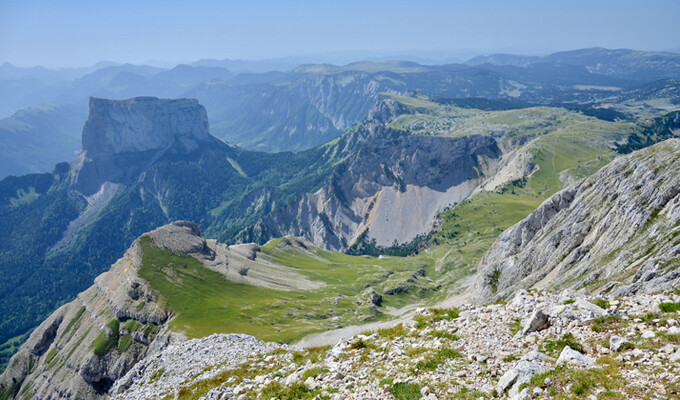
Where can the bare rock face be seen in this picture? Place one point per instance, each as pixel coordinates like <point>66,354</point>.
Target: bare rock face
<point>143,123</point>
<point>182,237</point>
<point>121,138</point>
<point>615,231</point>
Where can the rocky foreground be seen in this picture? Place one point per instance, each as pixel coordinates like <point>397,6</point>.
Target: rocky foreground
<point>538,345</point>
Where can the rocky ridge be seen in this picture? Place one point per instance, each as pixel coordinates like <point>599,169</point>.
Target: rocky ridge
<point>615,231</point>
<point>87,345</point>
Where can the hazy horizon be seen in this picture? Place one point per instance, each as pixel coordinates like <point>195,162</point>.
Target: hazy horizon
<point>78,34</point>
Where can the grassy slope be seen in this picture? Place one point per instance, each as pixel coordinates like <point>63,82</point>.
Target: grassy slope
<point>204,302</point>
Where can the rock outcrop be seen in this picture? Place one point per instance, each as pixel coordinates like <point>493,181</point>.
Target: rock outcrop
<point>616,230</point>
<point>89,343</point>
<point>142,124</point>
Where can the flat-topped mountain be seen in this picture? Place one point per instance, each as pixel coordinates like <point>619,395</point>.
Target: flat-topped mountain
<point>143,124</point>
<point>121,138</point>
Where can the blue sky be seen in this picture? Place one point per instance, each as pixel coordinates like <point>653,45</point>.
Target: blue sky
<point>76,33</point>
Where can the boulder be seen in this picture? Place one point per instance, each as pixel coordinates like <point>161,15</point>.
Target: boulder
<point>675,357</point>
<point>572,357</point>
<point>524,369</point>
<point>538,321</point>
<point>616,342</point>
<point>588,306</point>
<point>507,380</point>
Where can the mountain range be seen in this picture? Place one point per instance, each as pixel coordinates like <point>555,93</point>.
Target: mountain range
<point>308,105</point>
<point>409,184</point>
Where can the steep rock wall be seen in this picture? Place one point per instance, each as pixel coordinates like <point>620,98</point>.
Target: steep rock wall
<point>617,230</point>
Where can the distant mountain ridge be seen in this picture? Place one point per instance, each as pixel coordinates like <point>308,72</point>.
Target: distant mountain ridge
<point>597,60</point>
<point>36,138</point>
<point>310,104</point>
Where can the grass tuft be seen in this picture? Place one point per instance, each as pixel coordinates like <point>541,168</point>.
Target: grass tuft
<point>607,323</point>
<point>275,390</point>
<point>602,303</point>
<point>554,347</point>
<point>104,342</point>
<point>124,343</point>
<point>394,332</point>
<point>515,326</point>
<point>313,372</point>
<point>442,334</point>
<point>432,362</point>
<point>405,391</point>
<point>669,307</point>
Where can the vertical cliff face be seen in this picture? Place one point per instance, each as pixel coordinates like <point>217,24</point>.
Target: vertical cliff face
<point>617,231</point>
<point>142,124</point>
<point>123,137</point>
